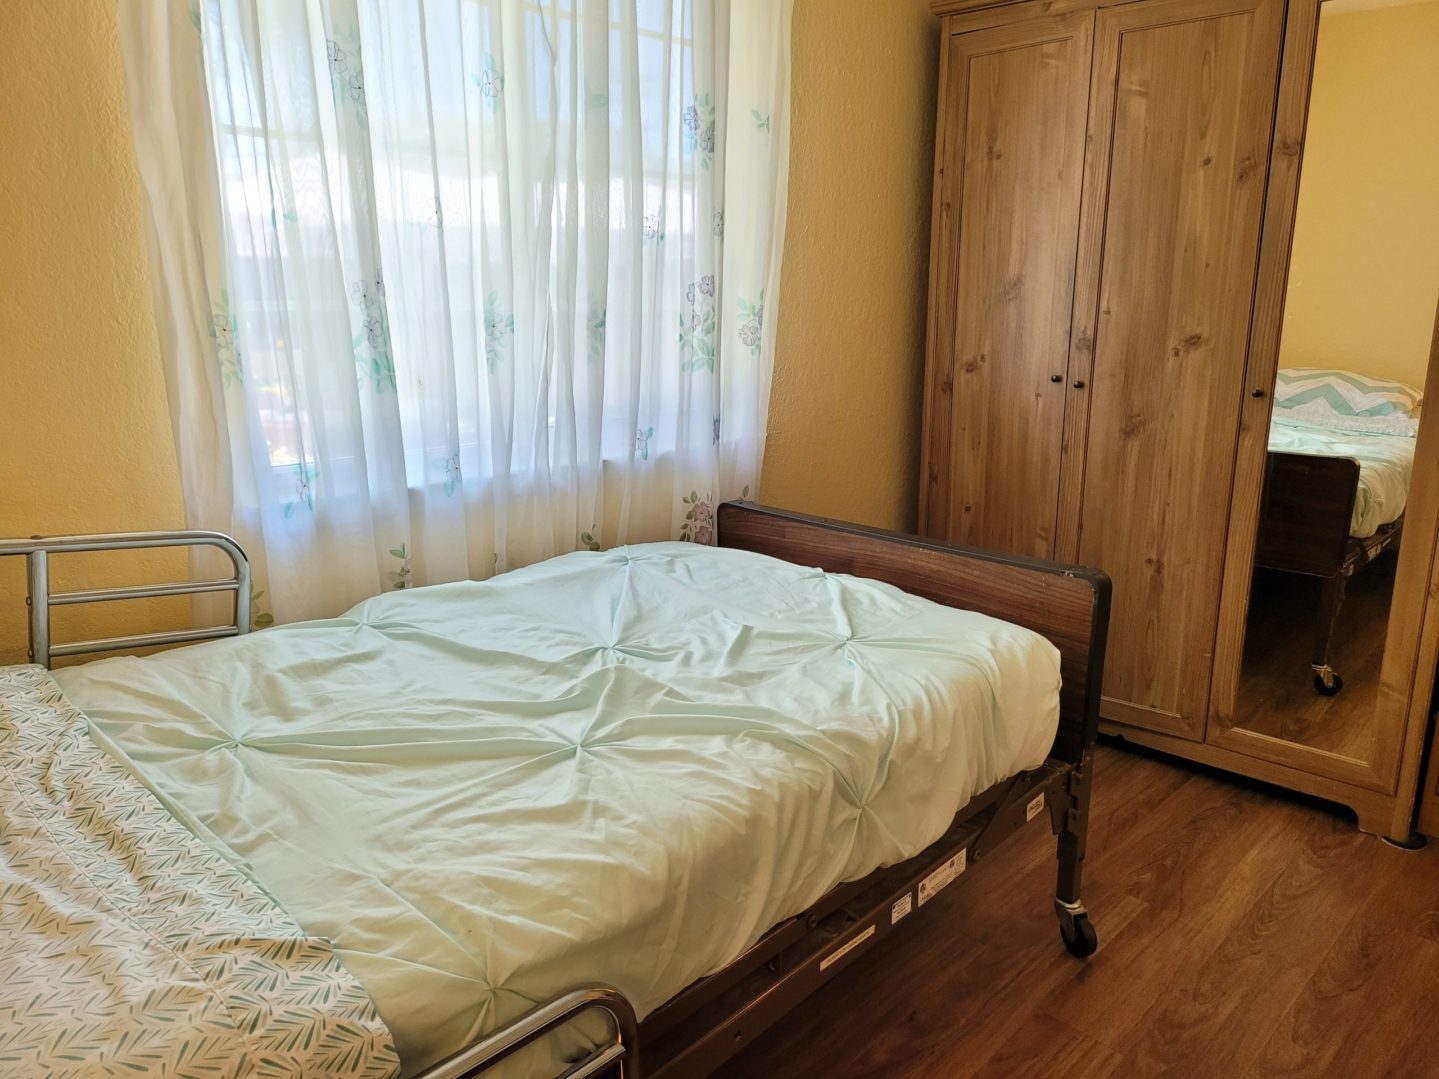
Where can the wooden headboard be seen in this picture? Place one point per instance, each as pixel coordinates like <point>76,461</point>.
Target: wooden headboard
<point>1307,508</point>
<point>1066,604</point>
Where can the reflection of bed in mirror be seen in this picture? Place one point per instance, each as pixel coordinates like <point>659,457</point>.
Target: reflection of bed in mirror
<point>1341,458</point>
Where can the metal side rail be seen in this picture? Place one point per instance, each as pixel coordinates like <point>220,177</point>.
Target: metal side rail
<point>40,599</point>
<point>622,1054</point>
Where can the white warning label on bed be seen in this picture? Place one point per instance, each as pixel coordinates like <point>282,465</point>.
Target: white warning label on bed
<point>944,875</point>
<point>1036,804</point>
<point>902,907</point>
<point>839,953</point>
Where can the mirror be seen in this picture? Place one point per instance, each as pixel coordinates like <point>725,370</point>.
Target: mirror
<point>1354,356</point>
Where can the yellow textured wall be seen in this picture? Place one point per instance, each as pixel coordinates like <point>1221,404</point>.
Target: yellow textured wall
<point>1364,276</point>
<point>85,439</point>
<point>844,422</point>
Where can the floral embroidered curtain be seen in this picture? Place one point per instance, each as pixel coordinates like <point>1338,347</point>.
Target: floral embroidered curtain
<point>449,286</point>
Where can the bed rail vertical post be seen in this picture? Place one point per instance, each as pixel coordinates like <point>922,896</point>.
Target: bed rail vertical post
<point>1073,828</point>
<point>37,574</point>
<point>1331,600</point>
<point>242,591</point>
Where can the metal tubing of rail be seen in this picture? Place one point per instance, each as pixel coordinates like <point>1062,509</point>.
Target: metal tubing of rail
<point>623,1053</point>
<point>141,591</point>
<point>40,599</point>
<point>141,640</point>
<point>37,576</point>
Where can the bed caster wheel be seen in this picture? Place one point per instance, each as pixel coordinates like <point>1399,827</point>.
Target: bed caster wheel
<point>1076,930</point>
<point>1327,684</point>
<point>1081,940</point>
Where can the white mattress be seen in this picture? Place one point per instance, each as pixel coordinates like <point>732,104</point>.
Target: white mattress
<point>620,767</point>
<point>1386,467</point>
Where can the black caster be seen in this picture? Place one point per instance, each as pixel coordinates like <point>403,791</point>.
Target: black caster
<point>1078,935</point>
<point>1328,685</point>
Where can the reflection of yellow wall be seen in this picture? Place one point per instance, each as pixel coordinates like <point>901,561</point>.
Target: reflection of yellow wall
<point>844,421</point>
<point>84,434</point>
<point>1364,277</point>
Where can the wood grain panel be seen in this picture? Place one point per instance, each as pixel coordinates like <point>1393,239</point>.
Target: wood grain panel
<point>1411,648</point>
<point>1067,605</point>
<point>1009,186</point>
<point>1301,36</point>
<point>1183,102</point>
<point>1374,809</point>
<point>1407,684</point>
<point>965,13</point>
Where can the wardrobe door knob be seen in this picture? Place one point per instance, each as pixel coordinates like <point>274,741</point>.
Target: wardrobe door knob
<point>1056,378</point>
<point>1257,393</point>
<point>1079,384</point>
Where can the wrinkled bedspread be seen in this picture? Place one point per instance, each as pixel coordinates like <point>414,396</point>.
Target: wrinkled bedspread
<point>128,947</point>
<point>620,767</point>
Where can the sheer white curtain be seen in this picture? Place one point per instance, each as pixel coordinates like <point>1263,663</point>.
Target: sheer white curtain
<point>449,286</point>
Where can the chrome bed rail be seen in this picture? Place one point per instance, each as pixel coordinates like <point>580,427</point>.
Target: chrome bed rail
<point>622,1054</point>
<point>40,599</point>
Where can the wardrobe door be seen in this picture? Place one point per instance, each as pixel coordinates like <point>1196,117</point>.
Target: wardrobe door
<point>1180,123</point>
<point>1007,187</point>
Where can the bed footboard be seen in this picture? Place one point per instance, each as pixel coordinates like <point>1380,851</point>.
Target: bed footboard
<point>1066,604</point>
<point>1305,514</point>
<point>1304,523</point>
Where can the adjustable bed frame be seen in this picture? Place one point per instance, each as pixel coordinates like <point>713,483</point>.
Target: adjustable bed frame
<point>1304,521</point>
<point>695,1032</point>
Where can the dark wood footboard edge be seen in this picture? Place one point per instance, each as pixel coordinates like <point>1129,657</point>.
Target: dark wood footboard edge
<point>1305,514</point>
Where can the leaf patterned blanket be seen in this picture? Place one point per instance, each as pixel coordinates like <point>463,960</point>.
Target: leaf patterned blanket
<point>129,947</point>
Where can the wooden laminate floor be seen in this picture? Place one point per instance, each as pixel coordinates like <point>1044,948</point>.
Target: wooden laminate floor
<point>1276,688</point>
<point>1242,933</point>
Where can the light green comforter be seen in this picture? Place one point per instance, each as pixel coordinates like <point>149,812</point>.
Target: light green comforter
<point>621,767</point>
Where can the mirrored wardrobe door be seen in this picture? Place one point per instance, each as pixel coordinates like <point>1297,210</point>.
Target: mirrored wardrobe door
<point>1327,574</point>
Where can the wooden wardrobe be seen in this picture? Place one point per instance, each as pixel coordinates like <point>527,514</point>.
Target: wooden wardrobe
<point>1109,251</point>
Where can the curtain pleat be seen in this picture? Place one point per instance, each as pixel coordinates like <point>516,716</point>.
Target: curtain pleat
<point>449,287</point>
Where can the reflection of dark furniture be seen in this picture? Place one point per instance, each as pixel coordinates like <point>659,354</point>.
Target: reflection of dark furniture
<point>1304,521</point>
